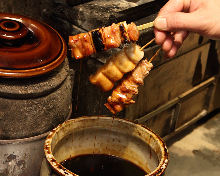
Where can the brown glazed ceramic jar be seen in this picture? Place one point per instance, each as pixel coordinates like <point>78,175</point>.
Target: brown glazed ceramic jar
<point>103,135</point>
<point>35,79</point>
<point>35,91</point>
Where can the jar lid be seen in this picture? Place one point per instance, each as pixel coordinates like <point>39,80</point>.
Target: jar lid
<point>28,47</point>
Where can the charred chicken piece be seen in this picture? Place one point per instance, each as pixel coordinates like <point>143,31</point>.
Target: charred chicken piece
<point>122,95</point>
<point>104,38</point>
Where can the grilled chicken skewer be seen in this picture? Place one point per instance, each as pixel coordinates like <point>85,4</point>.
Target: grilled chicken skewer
<point>122,95</point>
<point>119,64</point>
<point>104,38</point>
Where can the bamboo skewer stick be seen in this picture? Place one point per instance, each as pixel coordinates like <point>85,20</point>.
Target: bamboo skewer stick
<point>154,56</point>
<point>145,26</point>
<point>148,43</point>
<point>157,52</point>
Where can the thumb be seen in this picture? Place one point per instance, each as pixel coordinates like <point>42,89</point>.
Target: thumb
<point>178,21</point>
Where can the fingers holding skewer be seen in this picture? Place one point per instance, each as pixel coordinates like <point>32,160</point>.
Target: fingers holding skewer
<point>170,41</point>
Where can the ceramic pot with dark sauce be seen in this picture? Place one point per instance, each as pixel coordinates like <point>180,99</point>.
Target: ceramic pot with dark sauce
<point>89,145</point>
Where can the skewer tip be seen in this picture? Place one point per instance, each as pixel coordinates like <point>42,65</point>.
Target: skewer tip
<point>148,44</point>
<point>154,56</point>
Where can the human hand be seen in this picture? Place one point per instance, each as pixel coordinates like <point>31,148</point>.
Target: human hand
<point>179,17</point>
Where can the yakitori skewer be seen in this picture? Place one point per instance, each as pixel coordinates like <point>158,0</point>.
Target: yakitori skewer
<point>104,38</point>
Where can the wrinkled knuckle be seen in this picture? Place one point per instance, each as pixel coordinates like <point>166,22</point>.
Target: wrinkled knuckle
<point>174,23</point>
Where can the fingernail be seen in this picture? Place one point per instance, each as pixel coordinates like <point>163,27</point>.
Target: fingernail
<point>161,23</point>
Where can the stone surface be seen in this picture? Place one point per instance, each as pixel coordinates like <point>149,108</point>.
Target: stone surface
<point>27,110</point>
<point>196,152</point>
<point>35,86</point>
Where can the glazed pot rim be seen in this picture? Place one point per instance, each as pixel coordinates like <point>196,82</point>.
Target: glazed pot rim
<point>65,172</point>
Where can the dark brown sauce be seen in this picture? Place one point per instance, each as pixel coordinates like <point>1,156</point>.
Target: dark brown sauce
<point>102,165</point>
